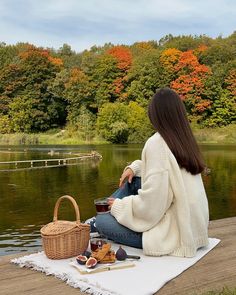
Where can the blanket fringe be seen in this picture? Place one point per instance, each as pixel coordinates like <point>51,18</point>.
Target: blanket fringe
<point>82,284</point>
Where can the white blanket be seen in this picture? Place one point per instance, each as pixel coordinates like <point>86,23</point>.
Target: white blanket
<point>146,277</point>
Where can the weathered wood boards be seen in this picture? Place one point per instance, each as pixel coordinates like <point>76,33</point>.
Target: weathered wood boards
<point>212,272</point>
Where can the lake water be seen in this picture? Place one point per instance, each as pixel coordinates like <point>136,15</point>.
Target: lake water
<point>27,197</point>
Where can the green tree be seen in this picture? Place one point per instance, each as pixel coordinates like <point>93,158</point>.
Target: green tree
<point>12,82</point>
<point>112,122</point>
<point>219,92</point>
<point>119,123</point>
<point>219,52</point>
<point>184,43</point>
<point>145,77</point>
<point>223,110</point>
<point>9,53</point>
<point>22,114</point>
<point>88,61</point>
<point>85,124</point>
<point>103,77</point>
<point>5,124</point>
<point>78,93</point>
<point>29,79</point>
<point>70,58</point>
<point>138,123</point>
<point>139,48</point>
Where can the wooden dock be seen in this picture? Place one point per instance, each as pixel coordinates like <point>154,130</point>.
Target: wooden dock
<point>214,271</point>
<point>47,163</point>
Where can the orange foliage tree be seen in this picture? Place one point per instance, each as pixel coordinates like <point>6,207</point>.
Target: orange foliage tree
<point>189,83</point>
<point>31,50</point>
<point>231,82</point>
<point>200,51</point>
<point>170,57</point>
<point>123,56</point>
<point>76,75</point>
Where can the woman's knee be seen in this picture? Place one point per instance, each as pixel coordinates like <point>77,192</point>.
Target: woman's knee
<point>103,222</point>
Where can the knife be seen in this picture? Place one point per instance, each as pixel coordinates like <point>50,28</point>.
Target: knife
<point>132,256</point>
<point>107,267</point>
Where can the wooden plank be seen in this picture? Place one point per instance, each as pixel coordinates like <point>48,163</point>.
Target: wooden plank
<point>21,281</point>
<point>212,272</point>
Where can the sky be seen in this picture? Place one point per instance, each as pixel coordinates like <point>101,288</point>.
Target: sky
<point>84,23</point>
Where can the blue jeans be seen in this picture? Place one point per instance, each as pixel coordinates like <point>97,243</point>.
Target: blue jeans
<point>111,229</point>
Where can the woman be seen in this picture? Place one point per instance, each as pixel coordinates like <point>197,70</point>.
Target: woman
<point>168,213</point>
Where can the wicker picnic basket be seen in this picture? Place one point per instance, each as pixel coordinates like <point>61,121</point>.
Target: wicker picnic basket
<point>63,239</point>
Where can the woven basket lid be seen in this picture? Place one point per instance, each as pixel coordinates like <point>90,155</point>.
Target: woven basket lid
<point>61,226</point>
<point>58,227</point>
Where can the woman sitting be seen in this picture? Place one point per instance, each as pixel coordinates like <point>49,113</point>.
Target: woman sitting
<point>165,212</point>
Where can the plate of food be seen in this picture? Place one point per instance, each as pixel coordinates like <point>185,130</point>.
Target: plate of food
<point>103,259</point>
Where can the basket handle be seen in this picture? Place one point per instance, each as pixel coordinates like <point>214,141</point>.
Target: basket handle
<point>74,204</point>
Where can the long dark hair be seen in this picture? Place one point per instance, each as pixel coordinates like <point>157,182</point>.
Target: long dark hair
<point>168,116</point>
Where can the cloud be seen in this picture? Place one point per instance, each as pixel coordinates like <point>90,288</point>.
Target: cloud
<point>82,24</point>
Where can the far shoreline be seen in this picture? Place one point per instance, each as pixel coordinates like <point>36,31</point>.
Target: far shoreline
<point>206,136</point>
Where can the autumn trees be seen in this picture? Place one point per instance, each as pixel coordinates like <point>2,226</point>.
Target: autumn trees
<point>27,105</point>
<point>106,90</point>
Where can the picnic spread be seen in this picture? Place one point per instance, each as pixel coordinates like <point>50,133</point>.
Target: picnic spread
<point>99,266</point>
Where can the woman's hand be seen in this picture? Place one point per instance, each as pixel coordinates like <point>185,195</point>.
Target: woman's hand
<point>128,173</point>
<point>110,201</point>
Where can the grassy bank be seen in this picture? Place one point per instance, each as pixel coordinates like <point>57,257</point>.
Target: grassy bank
<point>220,135</point>
<point>223,135</point>
<point>51,137</point>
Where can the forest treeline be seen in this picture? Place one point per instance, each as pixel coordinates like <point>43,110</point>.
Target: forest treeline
<point>106,90</point>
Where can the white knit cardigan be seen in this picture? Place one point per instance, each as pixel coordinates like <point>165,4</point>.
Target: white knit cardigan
<point>171,208</point>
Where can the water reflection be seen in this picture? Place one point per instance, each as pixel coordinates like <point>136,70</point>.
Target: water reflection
<point>220,184</point>
<point>18,240</point>
<point>27,198</point>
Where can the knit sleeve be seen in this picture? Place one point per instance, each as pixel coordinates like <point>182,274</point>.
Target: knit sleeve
<point>143,211</point>
<point>135,166</point>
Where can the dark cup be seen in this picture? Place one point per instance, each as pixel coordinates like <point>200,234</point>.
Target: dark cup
<point>102,205</point>
<point>97,243</point>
